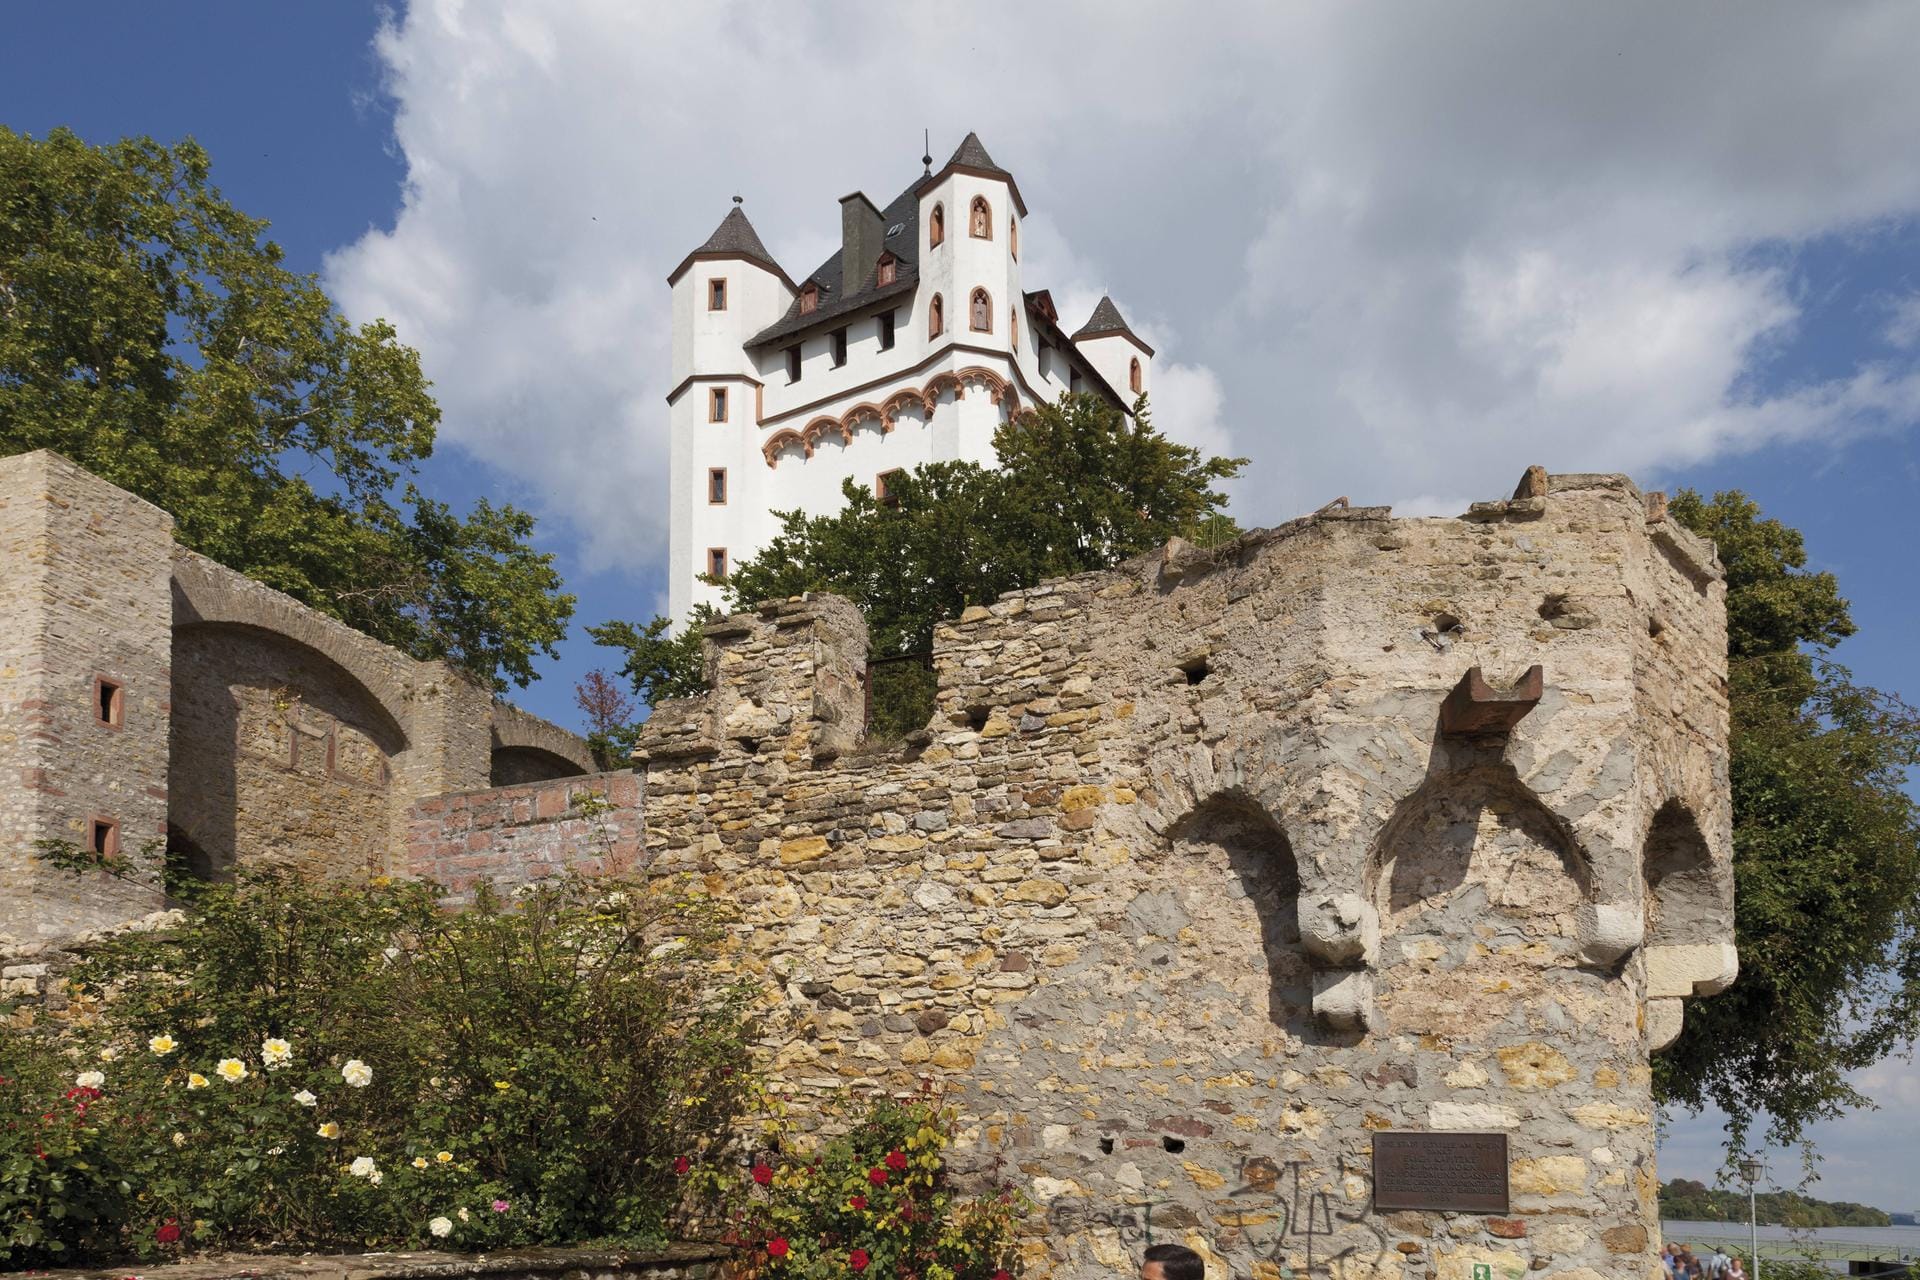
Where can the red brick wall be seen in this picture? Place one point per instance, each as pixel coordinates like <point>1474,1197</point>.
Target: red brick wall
<point>513,835</point>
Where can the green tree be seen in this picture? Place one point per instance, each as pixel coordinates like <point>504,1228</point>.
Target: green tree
<point>149,332</point>
<point>1081,485</point>
<point>1826,849</point>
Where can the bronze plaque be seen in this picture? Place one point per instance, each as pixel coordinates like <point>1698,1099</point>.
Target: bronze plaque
<point>1462,1172</point>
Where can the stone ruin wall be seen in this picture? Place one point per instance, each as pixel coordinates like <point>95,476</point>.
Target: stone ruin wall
<point>253,731</point>
<point>1185,895</point>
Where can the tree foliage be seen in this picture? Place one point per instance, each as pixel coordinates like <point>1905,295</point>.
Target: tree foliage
<point>149,332</point>
<point>1826,849</point>
<point>1688,1200</point>
<point>1080,485</point>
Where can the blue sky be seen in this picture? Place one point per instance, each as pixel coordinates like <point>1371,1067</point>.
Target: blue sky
<point>1394,259</point>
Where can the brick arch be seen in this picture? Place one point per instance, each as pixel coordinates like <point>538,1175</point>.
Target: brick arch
<point>780,440</point>
<point>530,749</point>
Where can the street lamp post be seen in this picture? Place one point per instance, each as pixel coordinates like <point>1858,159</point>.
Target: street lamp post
<point>1751,1169</point>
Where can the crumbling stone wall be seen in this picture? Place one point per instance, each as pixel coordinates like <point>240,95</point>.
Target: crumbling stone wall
<point>1185,892</point>
<point>512,835</point>
<point>249,729</point>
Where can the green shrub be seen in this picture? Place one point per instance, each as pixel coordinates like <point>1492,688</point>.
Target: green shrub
<point>876,1200</point>
<point>304,1065</point>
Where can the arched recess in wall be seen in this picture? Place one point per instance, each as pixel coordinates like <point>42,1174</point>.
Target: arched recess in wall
<point>1230,878</point>
<point>528,749</point>
<point>278,756</point>
<point>1684,903</point>
<point>1133,375</point>
<point>1472,862</point>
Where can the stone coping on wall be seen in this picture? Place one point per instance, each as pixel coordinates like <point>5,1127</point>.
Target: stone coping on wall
<point>674,1262</point>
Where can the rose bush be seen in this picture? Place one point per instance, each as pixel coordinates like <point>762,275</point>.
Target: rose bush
<point>330,1065</point>
<point>877,1200</point>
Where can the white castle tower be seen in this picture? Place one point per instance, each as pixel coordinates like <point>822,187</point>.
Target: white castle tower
<point>911,344</point>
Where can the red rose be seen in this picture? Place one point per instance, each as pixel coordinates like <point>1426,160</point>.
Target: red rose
<point>877,1176</point>
<point>897,1161</point>
<point>777,1247</point>
<point>858,1202</point>
<point>858,1259</point>
<point>681,1165</point>
<point>1003,1274</point>
<point>762,1174</point>
<point>168,1232</point>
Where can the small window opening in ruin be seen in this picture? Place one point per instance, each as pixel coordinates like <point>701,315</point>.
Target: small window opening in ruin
<point>1173,1145</point>
<point>886,331</point>
<point>717,295</point>
<point>793,363</point>
<point>1106,1146</point>
<point>977,718</point>
<point>103,837</point>
<point>1196,670</point>
<point>717,486</point>
<point>839,347</point>
<point>108,702</point>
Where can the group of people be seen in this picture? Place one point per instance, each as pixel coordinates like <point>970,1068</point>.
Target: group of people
<point>1681,1264</point>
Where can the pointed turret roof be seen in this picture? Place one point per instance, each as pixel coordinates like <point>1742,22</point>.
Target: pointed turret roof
<point>971,157</point>
<point>733,238</point>
<point>973,154</point>
<point>1106,318</point>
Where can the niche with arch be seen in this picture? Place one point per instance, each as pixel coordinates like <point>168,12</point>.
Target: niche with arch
<point>1684,902</point>
<point>1479,889</point>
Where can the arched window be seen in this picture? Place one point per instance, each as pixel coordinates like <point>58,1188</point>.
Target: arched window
<point>980,220</point>
<point>1133,375</point>
<point>936,227</point>
<point>936,317</point>
<point>1013,237</point>
<point>980,316</point>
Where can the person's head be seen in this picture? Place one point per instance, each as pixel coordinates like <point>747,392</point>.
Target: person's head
<point>1172,1262</point>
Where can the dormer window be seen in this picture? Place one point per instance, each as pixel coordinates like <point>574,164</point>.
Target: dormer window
<point>1133,375</point>
<point>936,227</point>
<point>716,295</point>
<point>809,299</point>
<point>980,219</point>
<point>888,270</point>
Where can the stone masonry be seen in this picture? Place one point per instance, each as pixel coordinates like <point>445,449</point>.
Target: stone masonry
<point>1185,893</point>
<point>153,702</point>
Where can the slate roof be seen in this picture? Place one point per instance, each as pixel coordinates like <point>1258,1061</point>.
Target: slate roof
<point>734,236</point>
<point>973,154</point>
<point>901,221</point>
<point>1106,318</point>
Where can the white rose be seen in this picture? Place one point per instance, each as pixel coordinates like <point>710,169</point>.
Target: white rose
<point>109,1053</point>
<point>90,1079</point>
<point>232,1070</point>
<point>375,1177</point>
<point>461,1213</point>
<point>275,1053</point>
<point>160,1046</point>
<point>361,1167</point>
<point>276,1151</point>
<point>442,1227</point>
<point>357,1073</point>
<point>305,1098</point>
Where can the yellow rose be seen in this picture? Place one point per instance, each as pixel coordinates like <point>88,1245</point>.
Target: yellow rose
<point>232,1070</point>
<point>502,1085</point>
<point>195,1080</point>
<point>419,1162</point>
<point>444,1157</point>
<point>161,1045</point>
<point>329,1130</point>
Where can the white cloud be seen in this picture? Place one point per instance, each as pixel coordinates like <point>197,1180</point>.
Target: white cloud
<point>1391,253</point>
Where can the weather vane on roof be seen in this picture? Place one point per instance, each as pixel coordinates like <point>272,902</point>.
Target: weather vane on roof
<point>926,149</point>
<point>739,199</point>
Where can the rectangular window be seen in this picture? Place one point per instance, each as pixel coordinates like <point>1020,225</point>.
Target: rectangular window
<point>109,702</point>
<point>887,274</point>
<point>883,490</point>
<point>886,331</point>
<point>717,563</point>
<point>717,405</point>
<point>716,295</point>
<point>103,836</point>
<point>717,486</point>
<point>839,347</point>
<point>793,363</point>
